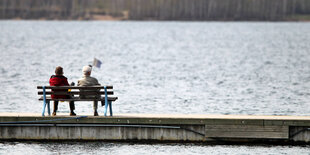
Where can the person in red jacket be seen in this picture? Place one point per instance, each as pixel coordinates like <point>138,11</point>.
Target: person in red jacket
<point>60,80</point>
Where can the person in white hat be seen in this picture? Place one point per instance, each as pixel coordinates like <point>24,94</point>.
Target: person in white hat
<point>87,80</point>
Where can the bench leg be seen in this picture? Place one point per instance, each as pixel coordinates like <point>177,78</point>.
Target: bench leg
<point>48,108</point>
<point>44,101</point>
<point>105,108</point>
<point>105,101</point>
<point>110,105</point>
<point>44,105</point>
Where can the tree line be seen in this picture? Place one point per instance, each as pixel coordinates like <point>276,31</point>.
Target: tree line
<point>156,9</point>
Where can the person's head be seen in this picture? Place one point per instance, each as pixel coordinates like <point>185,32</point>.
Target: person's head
<point>87,70</point>
<point>59,70</point>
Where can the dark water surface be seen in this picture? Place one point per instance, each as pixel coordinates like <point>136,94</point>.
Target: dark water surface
<point>161,67</point>
<point>137,149</point>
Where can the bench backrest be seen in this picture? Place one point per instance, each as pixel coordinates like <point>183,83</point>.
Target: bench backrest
<point>75,90</point>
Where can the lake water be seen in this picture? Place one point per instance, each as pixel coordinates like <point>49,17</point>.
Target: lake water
<point>253,68</point>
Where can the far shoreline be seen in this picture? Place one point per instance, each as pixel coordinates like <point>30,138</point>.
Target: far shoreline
<point>150,20</point>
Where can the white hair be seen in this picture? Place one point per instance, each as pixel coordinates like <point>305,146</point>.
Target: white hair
<point>86,69</point>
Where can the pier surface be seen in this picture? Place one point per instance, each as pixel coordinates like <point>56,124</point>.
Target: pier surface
<point>156,127</point>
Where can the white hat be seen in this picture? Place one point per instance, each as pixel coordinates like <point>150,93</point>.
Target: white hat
<point>86,69</point>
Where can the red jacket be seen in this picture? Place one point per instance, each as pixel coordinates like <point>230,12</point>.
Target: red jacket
<point>58,80</point>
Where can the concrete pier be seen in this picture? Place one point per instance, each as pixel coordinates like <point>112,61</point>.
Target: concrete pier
<point>156,128</point>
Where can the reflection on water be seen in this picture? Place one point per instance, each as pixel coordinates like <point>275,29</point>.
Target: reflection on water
<point>161,67</point>
<point>137,149</point>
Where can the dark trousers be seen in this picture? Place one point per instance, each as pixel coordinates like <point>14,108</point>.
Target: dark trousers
<point>71,104</point>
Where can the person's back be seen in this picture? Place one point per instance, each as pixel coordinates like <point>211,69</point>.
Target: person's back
<point>87,80</point>
<point>60,80</point>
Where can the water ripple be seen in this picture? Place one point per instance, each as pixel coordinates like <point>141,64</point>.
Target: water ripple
<point>220,68</point>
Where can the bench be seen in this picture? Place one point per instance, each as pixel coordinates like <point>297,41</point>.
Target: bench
<point>99,93</point>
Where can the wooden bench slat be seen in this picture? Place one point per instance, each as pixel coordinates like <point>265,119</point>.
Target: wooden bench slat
<point>74,87</point>
<point>75,93</point>
<point>78,99</point>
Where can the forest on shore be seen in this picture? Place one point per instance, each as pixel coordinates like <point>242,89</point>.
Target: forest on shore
<point>192,10</point>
